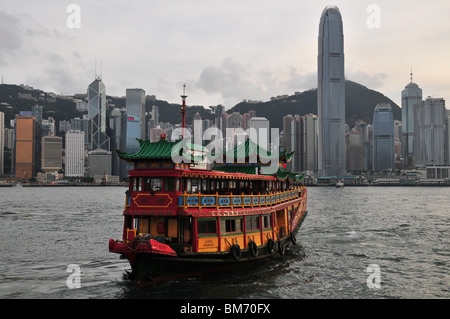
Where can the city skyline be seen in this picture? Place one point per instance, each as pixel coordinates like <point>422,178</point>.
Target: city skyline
<point>246,52</point>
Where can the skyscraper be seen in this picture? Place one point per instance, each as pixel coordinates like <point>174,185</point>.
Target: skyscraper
<point>383,138</point>
<point>411,96</point>
<point>262,127</point>
<point>133,130</point>
<point>292,140</point>
<point>135,105</point>
<point>97,115</point>
<point>331,94</point>
<point>25,147</point>
<point>51,153</point>
<point>155,114</point>
<point>74,154</point>
<point>2,142</point>
<point>429,132</point>
<point>309,141</point>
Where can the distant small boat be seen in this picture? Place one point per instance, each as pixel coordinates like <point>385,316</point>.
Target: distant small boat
<point>340,184</point>
<point>17,185</point>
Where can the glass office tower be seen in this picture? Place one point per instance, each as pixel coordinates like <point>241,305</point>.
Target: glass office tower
<point>411,95</point>
<point>383,138</point>
<point>97,115</point>
<point>331,94</point>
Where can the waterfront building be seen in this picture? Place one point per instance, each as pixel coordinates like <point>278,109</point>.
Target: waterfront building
<point>383,138</point>
<point>411,95</point>
<point>331,94</point>
<point>355,152</point>
<point>74,154</point>
<point>99,163</point>
<point>447,138</point>
<point>51,160</point>
<point>309,139</point>
<point>2,143</point>
<point>430,132</point>
<point>135,105</point>
<point>97,115</point>
<point>300,136</point>
<point>292,141</point>
<point>25,127</point>
<point>118,124</point>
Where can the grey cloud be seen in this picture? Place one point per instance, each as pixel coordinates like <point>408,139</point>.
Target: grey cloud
<point>55,58</point>
<point>373,81</point>
<point>11,30</point>
<point>235,82</point>
<point>16,32</point>
<point>220,79</point>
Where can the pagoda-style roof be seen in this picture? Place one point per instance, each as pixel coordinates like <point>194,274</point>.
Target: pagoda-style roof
<point>163,149</point>
<point>150,150</point>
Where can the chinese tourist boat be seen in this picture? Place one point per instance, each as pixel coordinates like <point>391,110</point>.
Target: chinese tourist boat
<point>184,217</point>
<point>180,218</point>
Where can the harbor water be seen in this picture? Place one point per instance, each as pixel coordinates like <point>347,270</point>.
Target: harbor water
<point>356,242</point>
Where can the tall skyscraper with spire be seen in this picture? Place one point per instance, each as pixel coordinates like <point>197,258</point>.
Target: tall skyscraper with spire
<point>331,94</point>
<point>411,95</point>
<point>97,115</point>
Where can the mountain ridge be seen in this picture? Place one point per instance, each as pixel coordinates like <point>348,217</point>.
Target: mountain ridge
<point>360,104</point>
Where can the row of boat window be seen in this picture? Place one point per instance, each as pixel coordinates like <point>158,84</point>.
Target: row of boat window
<point>209,226</point>
<point>206,186</point>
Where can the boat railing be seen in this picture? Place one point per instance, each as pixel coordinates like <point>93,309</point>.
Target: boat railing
<point>238,201</point>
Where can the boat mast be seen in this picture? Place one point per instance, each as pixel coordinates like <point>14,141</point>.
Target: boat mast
<point>183,109</point>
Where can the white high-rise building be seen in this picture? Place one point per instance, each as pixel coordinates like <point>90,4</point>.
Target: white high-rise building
<point>74,154</point>
<point>2,142</point>
<point>447,138</point>
<point>331,94</point>
<point>429,132</point>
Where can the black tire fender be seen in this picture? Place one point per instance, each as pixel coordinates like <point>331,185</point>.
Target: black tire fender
<point>253,248</point>
<point>235,252</point>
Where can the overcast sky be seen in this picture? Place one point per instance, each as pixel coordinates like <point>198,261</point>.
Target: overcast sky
<point>224,50</point>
